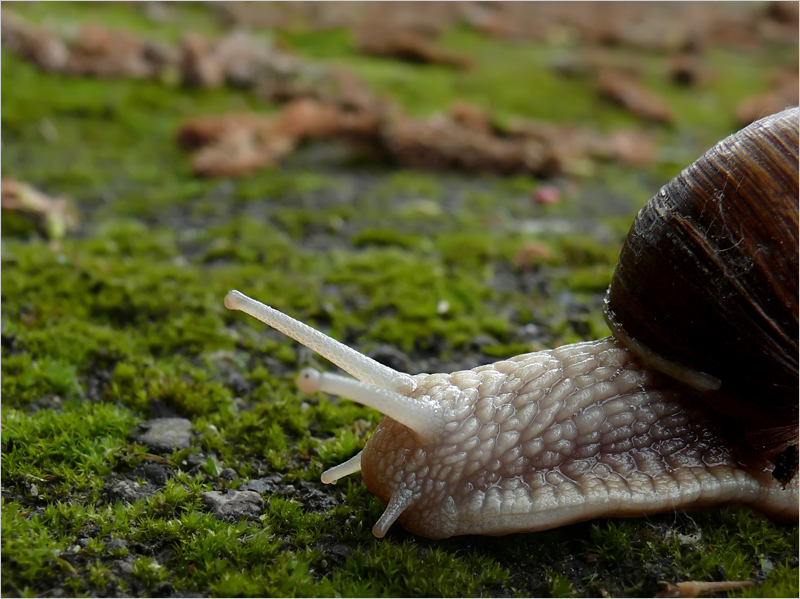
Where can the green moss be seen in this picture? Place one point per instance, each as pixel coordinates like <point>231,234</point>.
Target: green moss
<point>73,447</point>
<point>179,20</point>
<point>724,543</point>
<point>782,582</point>
<point>28,545</point>
<point>408,183</point>
<point>556,584</point>
<point>124,322</point>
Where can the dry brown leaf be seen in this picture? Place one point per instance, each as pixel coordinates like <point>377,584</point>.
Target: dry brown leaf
<point>783,94</point>
<point>408,46</point>
<point>53,216</point>
<point>37,44</point>
<point>101,52</point>
<point>531,253</point>
<point>628,93</point>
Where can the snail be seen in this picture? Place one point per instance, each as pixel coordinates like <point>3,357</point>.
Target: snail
<point>690,403</point>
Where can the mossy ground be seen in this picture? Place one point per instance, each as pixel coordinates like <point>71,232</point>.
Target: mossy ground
<point>125,322</point>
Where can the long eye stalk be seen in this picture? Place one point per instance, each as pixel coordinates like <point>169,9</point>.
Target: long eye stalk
<point>354,363</point>
<point>378,386</point>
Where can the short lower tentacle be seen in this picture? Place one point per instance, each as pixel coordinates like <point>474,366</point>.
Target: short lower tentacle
<point>351,466</point>
<point>401,499</point>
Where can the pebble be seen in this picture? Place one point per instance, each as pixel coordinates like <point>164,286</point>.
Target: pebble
<point>262,485</point>
<point>152,473</point>
<point>116,545</point>
<point>228,474</point>
<point>128,491</point>
<point>165,434</point>
<point>124,567</point>
<point>233,504</point>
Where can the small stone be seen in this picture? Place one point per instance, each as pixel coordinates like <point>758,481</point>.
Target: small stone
<point>313,498</point>
<point>237,383</point>
<point>234,504</point>
<point>228,474</point>
<point>124,567</point>
<point>262,485</point>
<point>128,491</point>
<point>152,473</point>
<point>165,434</point>
<point>116,545</point>
<point>192,461</point>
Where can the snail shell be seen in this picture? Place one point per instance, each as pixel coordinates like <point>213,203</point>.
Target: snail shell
<point>708,279</point>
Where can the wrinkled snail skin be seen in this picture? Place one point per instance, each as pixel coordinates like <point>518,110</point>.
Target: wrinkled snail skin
<point>604,428</point>
<point>554,437</point>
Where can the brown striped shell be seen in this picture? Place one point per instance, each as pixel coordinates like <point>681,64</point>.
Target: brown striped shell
<point>708,279</point>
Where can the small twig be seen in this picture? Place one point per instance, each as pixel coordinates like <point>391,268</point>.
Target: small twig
<point>695,588</point>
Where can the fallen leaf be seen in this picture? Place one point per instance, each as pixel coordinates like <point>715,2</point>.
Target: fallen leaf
<point>52,216</point>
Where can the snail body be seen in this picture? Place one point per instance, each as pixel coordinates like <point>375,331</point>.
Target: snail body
<point>623,426</point>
